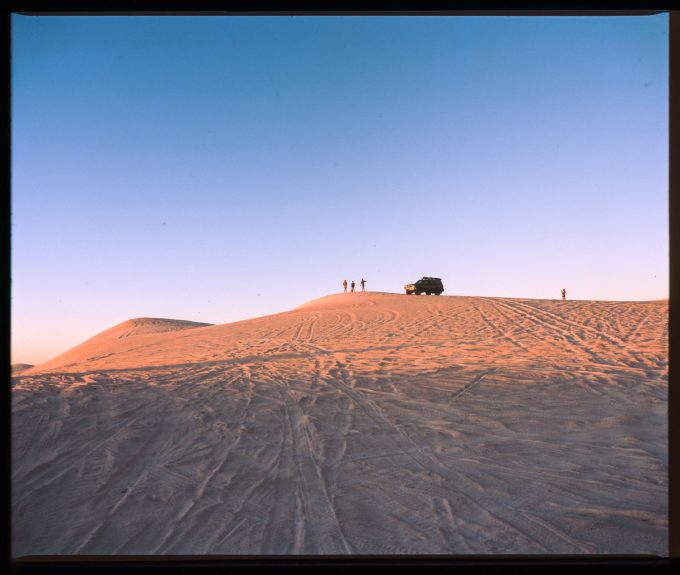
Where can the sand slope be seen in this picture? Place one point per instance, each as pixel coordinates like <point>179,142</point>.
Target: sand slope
<point>19,368</point>
<point>114,341</point>
<point>357,423</point>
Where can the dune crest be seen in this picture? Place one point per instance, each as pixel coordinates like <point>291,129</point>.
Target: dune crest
<point>105,344</point>
<point>18,368</point>
<point>349,299</point>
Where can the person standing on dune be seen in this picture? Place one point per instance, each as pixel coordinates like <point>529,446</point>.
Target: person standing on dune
<point>344,284</point>
<point>564,294</point>
<point>352,286</point>
<point>363,284</point>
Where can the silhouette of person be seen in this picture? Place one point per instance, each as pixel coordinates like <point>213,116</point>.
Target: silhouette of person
<point>352,285</point>
<point>564,295</point>
<point>344,284</point>
<point>363,284</point>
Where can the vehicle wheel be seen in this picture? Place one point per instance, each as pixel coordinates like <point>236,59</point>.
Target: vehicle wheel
<point>427,293</point>
<point>437,293</point>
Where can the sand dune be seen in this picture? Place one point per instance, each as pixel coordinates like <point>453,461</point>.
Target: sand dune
<point>114,341</point>
<point>18,368</point>
<point>365,423</point>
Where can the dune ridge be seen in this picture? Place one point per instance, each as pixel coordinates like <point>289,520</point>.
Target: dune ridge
<point>366,423</point>
<point>106,343</point>
<point>18,368</point>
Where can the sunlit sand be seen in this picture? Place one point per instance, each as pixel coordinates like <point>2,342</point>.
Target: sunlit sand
<point>358,423</point>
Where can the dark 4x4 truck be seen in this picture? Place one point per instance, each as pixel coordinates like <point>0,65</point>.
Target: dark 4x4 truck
<point>425,285</point>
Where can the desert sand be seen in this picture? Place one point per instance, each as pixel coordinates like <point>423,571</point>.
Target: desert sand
<point>18,368</point>
<point>358,423</point>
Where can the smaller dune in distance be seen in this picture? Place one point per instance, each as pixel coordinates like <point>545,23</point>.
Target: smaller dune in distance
<point>358,423</point>
<point>114,340</point>
<point>19,368</point>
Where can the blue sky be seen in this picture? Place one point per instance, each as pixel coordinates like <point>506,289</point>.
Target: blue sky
<point>221,168</point>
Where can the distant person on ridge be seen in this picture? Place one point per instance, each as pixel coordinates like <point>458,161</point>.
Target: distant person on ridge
<point>564,295</point>
<point>344,284</point>
<point>363,284</point>
<point>352,286</point>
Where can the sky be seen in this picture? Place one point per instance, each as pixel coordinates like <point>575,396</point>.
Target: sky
<point>216,169</point>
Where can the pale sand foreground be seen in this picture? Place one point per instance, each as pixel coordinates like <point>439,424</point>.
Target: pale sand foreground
<point>363,423</point>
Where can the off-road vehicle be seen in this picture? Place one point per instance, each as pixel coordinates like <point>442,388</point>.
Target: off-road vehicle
<point>425,285</point>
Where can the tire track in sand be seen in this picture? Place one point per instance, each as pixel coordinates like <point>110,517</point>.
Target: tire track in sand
<point>317,526</point>
<point>221,455</point>
<point>502,515</point>
<point>547,323</point>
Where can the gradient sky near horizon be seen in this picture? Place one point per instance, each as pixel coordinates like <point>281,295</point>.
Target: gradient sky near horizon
<point>221,168</point>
